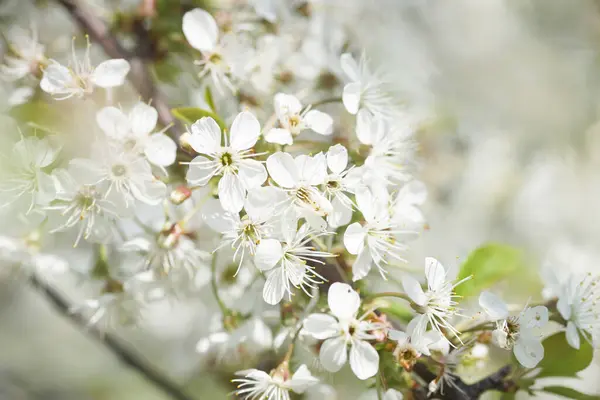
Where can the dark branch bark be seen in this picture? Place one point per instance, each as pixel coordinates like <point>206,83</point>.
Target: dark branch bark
<point>124,354</point>
<point>463,391</point>
<point>139,75</point>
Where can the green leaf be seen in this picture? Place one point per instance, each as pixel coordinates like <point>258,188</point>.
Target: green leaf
<point>209,99</point>
<point>488,265</point>
<point>189,115</point>
<point>560,359</point>
<point>569,393</point>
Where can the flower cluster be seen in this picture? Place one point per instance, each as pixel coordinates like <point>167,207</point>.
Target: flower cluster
<point>295,178</point>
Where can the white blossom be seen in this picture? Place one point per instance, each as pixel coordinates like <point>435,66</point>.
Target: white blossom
<point>342,329</point>
<point>338,183</point>
<point>257,384</point>
<point>293,119</point>
<point>516,332</point>
<point>233,160</point>
<point>25,57</point>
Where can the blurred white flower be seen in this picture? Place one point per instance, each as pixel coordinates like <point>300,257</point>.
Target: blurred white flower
<point>344,329</point>
<point>134,133</point>
<point>293,120</point>
<point>25,57</point>
<point>257,384</point>
<point>516,332</point>
<point>233,160</point>
<point>81,77</point>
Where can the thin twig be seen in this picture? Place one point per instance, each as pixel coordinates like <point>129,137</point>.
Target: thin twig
<point>127,356</point>
<point>140,75</point>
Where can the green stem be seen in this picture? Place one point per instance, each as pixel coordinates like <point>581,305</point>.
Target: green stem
<point>326,101</point>
<point>378,387</point>
<point>213,285</point>
<point>388,294</point>
<point>485,326</point>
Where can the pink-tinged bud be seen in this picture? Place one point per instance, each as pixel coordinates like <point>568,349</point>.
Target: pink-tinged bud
<point>180,194</point>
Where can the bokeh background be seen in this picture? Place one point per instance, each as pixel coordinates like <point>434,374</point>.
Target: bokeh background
<point>509,150</point>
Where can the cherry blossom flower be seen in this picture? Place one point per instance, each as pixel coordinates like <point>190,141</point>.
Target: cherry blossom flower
<point>579,305</point>
<point>337,184</point>
<point>413,343</point>
<point>299,178</point>
<point>257,384</point>
<point>233,160</point>
<point>287,262</point>
<point>293,120</point>
<point>133,133</point>
<point>81,77</point>
<point>25,57</point>
<point>438,303</point>
<point>516,332</point>
<point>375,242</point>
<point>344,329</point>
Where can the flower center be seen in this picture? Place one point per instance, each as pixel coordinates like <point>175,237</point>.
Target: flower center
<point>215,58</point>
<point>118,170</point>
<point>226,159</point>
<point>333,184</point>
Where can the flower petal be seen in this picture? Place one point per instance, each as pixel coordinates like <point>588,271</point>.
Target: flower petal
<point>312,170</point>
<point>321,326</point>
<point>354,238</point>
<point>275,286</point>
<point>160,150</point>
<point>301,380</point>
<point>364,360</point>
<point>142,119</point>
<point>413,289</point>
<point>110,73</point>
<point>529,351</point>
<point>493,306</point>
<point>362,264</point>
<point>216,217</point>
<point>206,136</point>
<point>283,170</point>
<point>343,301</point>
<point>286,104</point>
<point>337,158</point>
<point>268,254</point>
<point>252,173</point>
<point>351,97</point>
<point>564,308</point>
<point>333,354</point>
<point>350,67</point>
<point>231,193</point>
<point>245,131</point>
<point>341,214</point>
<point>534,317</point>
<point>200,29</point>
<point>319,122</point>
<point>57,79</point>
<point>113,122</point>
<point>572,335</point>
<point>435,273</point>
<point>279,136</point>
<point>264,202</point>
<point>200,170</point>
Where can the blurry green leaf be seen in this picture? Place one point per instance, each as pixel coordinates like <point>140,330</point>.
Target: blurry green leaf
<point>190,115</point>
<point>38,111</point>
<point>488,265</point>
<point>397,310</point>
<point>569,393</point>
<point>166,71</point>
<point>209,99</point>
<point>560,359</point>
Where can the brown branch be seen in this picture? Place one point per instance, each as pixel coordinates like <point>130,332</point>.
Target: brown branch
<point>140,75</point>
<point>124,354</point>
<point>460,390</point>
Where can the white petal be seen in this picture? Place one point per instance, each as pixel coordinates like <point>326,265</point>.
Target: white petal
<point>216,217</point>
<point>350,66</point>
<point>337,158</point>
<point>564,308</point>
<point>435,273</point>
<point>362,265</point>
<point>268,254</point>
<point>493,306</point>
<point>56,79</point>
<point>398,336</point>
<point>110,73</point>
<point>529,351</point>
<point>341,214</point>
<point>319,122</point>
<point>414,193</point>
<point>200,29</point>
<point>313,219</point>
<point>245,131</point>
<point>313,170</point>
<point>343,301</point>
<point>364,360</point>
<point>275,285</point>
<point>150,191</point>
<point>413,289</point>
<point>366,204</point>
<point>286,104</point>
<point>199,171</point>
<point>572,335</point>
<point>113,123</point>
<point>321,326</point>
<point>365,124</point>
<point>351,97</point>
<point>279,136</point>
<point>232,193</point>
<point>206,136</point>
<point>333,354</point>
<point>252,173</point>
<point>143,119</point>
<point>160,150</point>
<point>283,170</point>
<point>264,202</point>
<point>393,394</point>
<point>534,317</point>
<point>354,238</point>
<point>301,380</point>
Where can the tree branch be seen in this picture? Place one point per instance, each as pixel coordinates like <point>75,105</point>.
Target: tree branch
<point>139,75</point>
<point>461,390</point>
<point>124,354</point>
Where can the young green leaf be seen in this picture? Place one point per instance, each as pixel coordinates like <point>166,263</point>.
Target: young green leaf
<point>569,393</point>
<point>189,115</point>
<point>560,359</point>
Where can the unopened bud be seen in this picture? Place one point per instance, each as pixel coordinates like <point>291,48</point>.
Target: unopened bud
<point>180,194</point>
<point>184,142</point>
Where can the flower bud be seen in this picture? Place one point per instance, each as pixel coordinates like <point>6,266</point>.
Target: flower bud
<point>180,194</point>
<point>184,142</point>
